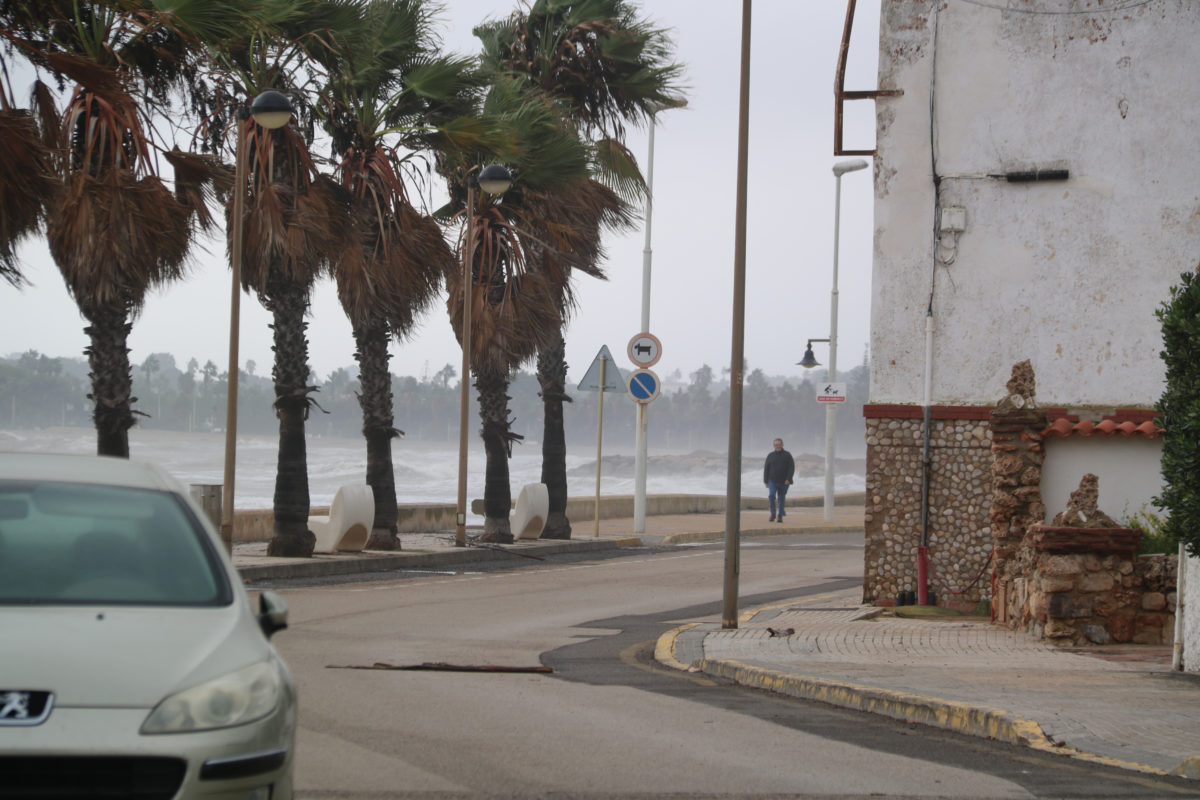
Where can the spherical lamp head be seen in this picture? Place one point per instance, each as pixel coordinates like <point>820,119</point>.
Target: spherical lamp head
<point>271,109</point>
<point>495,179</point>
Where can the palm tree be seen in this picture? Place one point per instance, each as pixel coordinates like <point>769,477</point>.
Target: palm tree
<point>27,181</point>
<point>515,310</point>
<point>114,228</point>
<point>292,214</point>
<point>605,67</point>
<point>388,100</point>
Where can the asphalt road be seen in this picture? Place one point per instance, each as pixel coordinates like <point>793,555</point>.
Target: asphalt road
<point>608,721</point>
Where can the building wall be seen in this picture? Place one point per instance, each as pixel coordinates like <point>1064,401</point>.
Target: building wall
<point>1191,615</point>
<point>1128,470</point>
<point>959,540</point>
<point>1064,273</point>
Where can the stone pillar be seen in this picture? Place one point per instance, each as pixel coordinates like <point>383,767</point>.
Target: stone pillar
<point>1017,457</point>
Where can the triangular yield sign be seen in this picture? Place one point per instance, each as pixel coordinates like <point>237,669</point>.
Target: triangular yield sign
<point>613,377</point>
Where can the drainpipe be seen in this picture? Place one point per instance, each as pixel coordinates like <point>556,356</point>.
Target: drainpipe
<point>922,551</point>
<point>1177,651</point>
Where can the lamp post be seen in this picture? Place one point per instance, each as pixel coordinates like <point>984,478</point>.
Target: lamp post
<point>733,469</point>
<point>271,110</point>
<point>493,179</point>
<point>839,169</point>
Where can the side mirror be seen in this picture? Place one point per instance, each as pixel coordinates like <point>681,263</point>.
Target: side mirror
<point>272,613</point>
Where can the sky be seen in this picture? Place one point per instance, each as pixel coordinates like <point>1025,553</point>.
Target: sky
<point>790,222</point>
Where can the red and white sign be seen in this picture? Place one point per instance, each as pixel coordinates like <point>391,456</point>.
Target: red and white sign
<point>831,393</point>
<point>645,349</point>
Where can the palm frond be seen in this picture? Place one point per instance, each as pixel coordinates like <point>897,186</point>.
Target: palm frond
<point>27,186</point>
<point>614,165</point>
<point>596,56</point>
<point>199,181</point>
<point>116,236</point>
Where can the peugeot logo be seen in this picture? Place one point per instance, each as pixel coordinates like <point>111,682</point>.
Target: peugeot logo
<point>23,707</point>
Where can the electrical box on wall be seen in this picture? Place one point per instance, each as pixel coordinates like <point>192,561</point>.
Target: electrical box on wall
<point>954,219</point>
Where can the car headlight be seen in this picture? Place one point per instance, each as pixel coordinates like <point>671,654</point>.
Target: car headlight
<point>234,699</point>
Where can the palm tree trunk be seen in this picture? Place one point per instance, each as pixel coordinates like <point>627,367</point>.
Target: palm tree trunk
<point>552,375</point>
<point>288,302</point>
<point>376,403</point>
<point>497,444</point>
<point>112,379</point>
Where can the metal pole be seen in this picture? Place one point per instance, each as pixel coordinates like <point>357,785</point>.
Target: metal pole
<point>1177,654</point>
<point>231,392</point>
<point>460,529</point>
<point>733,486</point>
<point>599,442</point>
<point>831,408</point>
<point>639,468</point>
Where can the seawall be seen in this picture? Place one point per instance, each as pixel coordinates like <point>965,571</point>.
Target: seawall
<point>256,525</point>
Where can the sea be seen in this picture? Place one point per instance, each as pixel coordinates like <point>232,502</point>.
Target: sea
<point>425,472</point>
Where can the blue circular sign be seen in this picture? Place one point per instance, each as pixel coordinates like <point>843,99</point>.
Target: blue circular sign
<point>643,385</point>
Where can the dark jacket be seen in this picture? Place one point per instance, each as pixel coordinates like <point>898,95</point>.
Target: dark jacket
<point>779,467</point>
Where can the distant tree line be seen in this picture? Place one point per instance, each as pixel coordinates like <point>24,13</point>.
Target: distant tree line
<point>37,391</point>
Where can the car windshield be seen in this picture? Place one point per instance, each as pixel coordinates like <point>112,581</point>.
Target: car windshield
<point>79,544</point>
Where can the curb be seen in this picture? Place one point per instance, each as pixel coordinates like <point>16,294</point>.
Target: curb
<point>318,566</point>
<point>981,721</point>
<point>989,723</point>
<point>664,648</point>
<point>716,536</point>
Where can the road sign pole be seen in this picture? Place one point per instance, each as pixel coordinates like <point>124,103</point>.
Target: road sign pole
<point>599,442</point>
<point>639,470</point>
<point>639,473</point>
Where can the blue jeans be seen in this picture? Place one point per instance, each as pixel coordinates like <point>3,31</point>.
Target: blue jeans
<point>776,489</point>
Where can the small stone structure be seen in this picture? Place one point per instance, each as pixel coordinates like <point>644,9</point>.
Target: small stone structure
<point>1078,580</point>
<point>1087,585</point>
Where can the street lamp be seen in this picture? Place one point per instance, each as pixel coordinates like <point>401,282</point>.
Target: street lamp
<point>809,361</point>
<point>493,179</point>
<point>737,363</point>
<point>271,110</point>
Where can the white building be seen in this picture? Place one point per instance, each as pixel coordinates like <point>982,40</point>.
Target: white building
<point>1037,192</point>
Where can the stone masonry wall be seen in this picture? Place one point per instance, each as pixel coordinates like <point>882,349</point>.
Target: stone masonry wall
<point>1099,597</point>
<point>1082,583</point>
<point>959,545</point>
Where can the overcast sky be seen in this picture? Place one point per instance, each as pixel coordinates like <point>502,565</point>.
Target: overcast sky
<point>790,222</point>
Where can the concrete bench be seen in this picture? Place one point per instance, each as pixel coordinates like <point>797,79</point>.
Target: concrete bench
<point>529,516</point>
<point>351,517</point>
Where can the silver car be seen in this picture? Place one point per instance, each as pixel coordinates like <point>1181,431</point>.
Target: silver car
<point>131,661</point>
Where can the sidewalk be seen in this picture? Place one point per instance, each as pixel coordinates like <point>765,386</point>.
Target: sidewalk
<point>425,550</point>
<point>1118,705</point>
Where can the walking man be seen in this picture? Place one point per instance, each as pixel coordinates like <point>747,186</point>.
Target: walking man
<point>777,477</point>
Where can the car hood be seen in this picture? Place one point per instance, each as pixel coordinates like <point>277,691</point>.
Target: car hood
<point>127,657</point>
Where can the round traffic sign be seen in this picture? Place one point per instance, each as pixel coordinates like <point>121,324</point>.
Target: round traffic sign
<point>643,385</point>
<point>645,349</point>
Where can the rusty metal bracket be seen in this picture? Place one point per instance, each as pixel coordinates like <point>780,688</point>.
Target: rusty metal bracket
<point>840,93</point>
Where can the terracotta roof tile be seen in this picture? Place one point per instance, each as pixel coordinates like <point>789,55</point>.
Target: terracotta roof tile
<point>1070,424</point>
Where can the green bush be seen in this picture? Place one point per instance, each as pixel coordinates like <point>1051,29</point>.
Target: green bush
<point>1179,408</point>
<point>1155,538</point>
